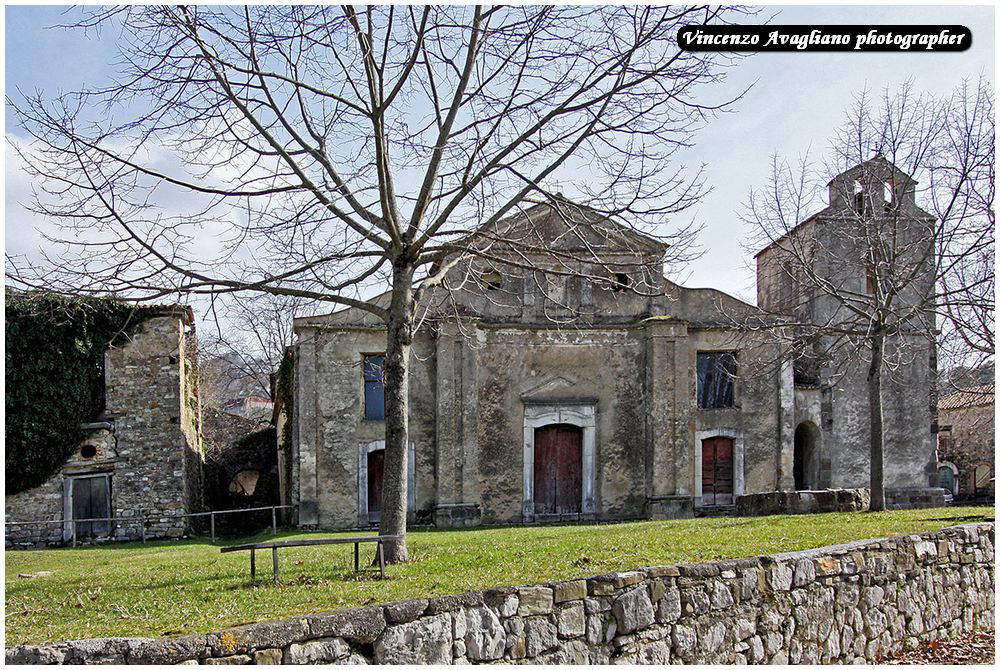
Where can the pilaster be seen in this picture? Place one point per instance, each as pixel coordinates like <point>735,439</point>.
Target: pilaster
<point>667,488</point>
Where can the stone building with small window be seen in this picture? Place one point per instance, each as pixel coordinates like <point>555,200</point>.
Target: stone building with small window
<point>143,455</point>
<point>966,443</point>
<point>645,404</point>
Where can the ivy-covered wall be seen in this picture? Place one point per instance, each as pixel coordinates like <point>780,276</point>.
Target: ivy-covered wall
<point>54,378</point>
<point>146,452</point>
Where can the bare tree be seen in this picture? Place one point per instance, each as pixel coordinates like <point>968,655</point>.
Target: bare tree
<point>866,278</point>
<point>249,335</point>
<point>325,153</point>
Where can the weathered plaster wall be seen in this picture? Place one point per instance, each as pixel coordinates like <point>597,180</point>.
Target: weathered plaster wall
<point>149,446</point>
<point>754,423</point>
<point>909,454</point>
<point>841,604</point>
<point>599,368</point>
<point>332,428</point>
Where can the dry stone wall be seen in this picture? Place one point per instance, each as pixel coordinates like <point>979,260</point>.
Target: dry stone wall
<point>845,603</point>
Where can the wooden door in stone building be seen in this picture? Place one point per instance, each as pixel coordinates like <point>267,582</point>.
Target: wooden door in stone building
<point>717,471</point>
<point>376,467</point>
<point>91,499</point>
<point>558,477</point>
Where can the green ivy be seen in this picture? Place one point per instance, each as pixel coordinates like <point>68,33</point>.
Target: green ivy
<point>54,379</point>
<point>285,390</point>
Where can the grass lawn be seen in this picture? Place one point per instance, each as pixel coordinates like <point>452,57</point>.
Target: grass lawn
<point>163,588</point>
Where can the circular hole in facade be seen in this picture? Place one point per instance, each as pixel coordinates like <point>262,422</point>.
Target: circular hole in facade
<point>88,451</point>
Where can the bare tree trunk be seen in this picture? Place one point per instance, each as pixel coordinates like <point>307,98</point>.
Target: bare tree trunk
<point>397,410</point>
<point>876,430</point>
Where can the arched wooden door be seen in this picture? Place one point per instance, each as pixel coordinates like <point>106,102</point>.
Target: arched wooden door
<point>717,471</point>
<point>558,477</point>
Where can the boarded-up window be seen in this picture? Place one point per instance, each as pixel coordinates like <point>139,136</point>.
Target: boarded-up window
<point>716,373</point>
<point>374,365</point>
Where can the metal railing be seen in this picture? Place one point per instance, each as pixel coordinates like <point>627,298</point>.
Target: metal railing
<point>142,519</point>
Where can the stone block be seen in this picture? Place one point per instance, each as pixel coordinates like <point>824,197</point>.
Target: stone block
<point>633,610</point>
<point>454,602</point>
<point>268,657</point>
<point>424,641</point>
<point>516,643</point>
<point>481,632</point>
<point>155,651</point>
<point>805,572</point>
<point>779,576</point>
<point>711,637</point>
<point>540,635</point>
<point>404,611</point>
<point>600,586</point>
<point>571,620</point>
<point>668,609</point>
<point>262,635</point>
<point>663,571</point>
<point>238,659</point>
<point>720,595</point>
<point>684,638</point>
<point>534,600</point>
<point>694,601</point>
<point>324,650</point>
<point>656,590</point>
<point>361,625</point>
<point>573,590</point>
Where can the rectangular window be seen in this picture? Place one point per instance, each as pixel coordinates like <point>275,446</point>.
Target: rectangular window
<point>374,365</point>
<point>716,374</point>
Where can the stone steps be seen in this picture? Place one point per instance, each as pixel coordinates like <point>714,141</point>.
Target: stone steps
<point>715,510</point>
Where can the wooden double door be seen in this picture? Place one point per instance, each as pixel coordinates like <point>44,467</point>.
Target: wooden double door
<point>717,471</point>
<point>558,477</point>
<point>91,499</point>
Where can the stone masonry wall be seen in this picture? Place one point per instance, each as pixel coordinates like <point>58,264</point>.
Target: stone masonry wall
<point>803,502</point>
<point>150,445</point>
<point>844,603</point>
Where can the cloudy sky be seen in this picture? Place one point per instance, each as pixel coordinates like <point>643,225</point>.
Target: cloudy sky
<point>795,103</point>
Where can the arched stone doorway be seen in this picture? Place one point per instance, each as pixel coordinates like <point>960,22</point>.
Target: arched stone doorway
<point>806,458</point>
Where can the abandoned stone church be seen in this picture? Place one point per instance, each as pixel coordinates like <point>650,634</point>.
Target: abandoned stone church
<point>648,404</point>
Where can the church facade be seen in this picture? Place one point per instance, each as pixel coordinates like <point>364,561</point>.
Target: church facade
<point>647,404</point>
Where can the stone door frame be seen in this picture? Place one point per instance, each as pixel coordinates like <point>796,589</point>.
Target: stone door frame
<point>582,416</point>
<point>411,492</point>
<point>734,434</point>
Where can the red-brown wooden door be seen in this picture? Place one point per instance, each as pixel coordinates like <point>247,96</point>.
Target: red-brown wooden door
<point>558,469</point>
<point>376,466</point>
<point>717,471</point>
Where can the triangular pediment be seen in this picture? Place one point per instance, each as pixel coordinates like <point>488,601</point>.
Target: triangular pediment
<point>550,385</point>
